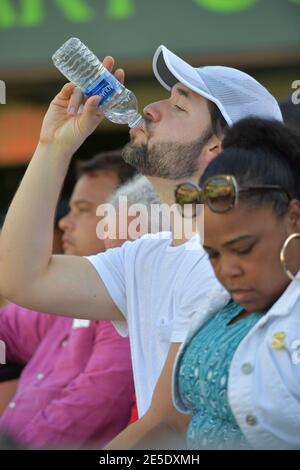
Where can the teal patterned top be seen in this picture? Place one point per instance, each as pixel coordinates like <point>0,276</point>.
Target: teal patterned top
<point>202,380</point>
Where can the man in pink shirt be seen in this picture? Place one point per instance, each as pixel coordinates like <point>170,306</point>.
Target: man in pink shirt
<point>76,386</point>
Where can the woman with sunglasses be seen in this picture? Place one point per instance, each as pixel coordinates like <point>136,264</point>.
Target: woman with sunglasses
<point>238,374</point>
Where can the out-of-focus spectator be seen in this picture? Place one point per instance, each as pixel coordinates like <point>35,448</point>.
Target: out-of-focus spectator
<point>142,218</point>
<point>77,384</point>
<point>61,211</point>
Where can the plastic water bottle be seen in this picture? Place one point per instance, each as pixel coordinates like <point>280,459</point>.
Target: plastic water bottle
<point>82,67</point>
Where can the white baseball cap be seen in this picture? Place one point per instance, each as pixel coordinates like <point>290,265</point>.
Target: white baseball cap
<point>235,93</point>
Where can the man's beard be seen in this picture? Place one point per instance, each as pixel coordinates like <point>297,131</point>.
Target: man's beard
<point>171,160</point>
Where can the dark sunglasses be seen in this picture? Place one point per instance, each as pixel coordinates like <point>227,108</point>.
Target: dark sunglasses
<point>220,192</point>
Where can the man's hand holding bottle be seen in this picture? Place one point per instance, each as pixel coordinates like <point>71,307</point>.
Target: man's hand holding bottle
<point>65,123</point>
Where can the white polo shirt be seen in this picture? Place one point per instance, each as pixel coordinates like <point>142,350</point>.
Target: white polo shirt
<point>158,288</point>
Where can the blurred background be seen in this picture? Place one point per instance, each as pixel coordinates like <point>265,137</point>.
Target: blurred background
<point>261,37</point>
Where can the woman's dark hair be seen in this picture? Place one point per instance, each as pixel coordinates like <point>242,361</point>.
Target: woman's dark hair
<point>258,151</point>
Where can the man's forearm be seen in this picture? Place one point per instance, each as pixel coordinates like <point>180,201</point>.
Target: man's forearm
<point>26,242</point>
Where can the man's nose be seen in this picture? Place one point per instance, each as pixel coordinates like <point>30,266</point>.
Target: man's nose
<point>152,112</point>
<point>66,223</point>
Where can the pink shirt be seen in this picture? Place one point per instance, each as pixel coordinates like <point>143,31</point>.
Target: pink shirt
<point>77,386</point>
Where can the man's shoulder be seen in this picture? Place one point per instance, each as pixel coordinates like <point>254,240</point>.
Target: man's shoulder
<point>149,241</point>
<point>159,236</point>
<point>162,242</point>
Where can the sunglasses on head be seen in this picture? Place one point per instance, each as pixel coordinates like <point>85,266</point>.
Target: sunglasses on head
<point>220,192</point>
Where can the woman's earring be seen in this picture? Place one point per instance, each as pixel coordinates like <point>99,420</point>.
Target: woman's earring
<point>289,274</point>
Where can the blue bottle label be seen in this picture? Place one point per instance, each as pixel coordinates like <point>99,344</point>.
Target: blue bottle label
<point>106,85</point>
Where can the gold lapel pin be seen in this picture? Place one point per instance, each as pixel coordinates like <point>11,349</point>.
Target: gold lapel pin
<point>278,340</point>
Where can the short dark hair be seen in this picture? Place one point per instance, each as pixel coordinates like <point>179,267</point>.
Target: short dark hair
<point>218,123</point>
<point>258,151</point>
<point>106,161</point>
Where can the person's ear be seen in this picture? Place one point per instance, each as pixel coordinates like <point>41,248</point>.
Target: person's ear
<point>293,216</point>
<point>211,150</point>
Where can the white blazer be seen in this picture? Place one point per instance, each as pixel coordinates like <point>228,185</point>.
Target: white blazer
<point>264,376</point>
